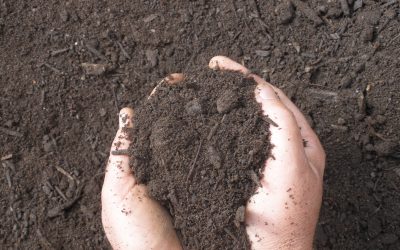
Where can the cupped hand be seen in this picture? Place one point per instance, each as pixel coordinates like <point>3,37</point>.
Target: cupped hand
<point>281,215</point>
<point>284,211</point>
<point>131,219</point>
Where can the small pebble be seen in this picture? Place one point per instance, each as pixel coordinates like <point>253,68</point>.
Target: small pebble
<point>341,121</point>
<point>46,190</point>
<point>322,9</point>
<point>102,112</point>
<point>64,15</point>
<point>76,172</point>
<point>285,12</point>
<point>193,107</point>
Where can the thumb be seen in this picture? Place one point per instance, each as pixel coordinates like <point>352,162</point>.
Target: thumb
<point>119,176</point>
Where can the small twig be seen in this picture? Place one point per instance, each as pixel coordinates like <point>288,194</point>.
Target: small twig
<point>155,88</point>
<point>120,152</point>
<point>61,193</point>
<point>10,132</point>
<point>60,51</point>
<point>323,94</point>
<point>58,210</point>
<point>214,129</point>
<point>68,175</point>
<point>124,52</point>
<point>57,71</point>
<point>7,176</point>
<point>42,97</point>
<point>191,171</point>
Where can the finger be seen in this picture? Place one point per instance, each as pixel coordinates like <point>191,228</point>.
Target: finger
<point>285,134</point>
<point>226,64</point>
<point>313,146</point>
<point>171,80</point>
<point>118,171</point>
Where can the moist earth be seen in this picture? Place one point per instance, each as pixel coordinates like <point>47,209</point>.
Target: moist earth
<point>67,67</point>
<point>201,146</point>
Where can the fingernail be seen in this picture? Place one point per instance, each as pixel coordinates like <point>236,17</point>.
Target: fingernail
<point>267,93</point>
<point>123,119</point>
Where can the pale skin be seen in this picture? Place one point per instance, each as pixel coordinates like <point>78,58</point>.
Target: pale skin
<point>283,212</point>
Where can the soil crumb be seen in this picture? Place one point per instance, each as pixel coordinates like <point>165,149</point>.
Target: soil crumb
<point>197,146</point>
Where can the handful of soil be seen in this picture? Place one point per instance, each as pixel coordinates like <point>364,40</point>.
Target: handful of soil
<point>200,147</point>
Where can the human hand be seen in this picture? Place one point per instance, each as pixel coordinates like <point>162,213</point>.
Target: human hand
<point>281,215</point>
<point>131,219</point>
<point>284,211</point>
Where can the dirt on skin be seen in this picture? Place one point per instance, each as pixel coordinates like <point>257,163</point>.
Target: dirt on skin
<point>337,60</point>
<point>201,147</point>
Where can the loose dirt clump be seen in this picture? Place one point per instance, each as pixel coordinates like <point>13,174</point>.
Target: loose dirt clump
<point>198,146</point>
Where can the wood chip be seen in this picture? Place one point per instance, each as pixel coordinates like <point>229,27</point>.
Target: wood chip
<point>68,175</point>
<point>6,157</point>
<point>58,210</point>
<point>94,69</point>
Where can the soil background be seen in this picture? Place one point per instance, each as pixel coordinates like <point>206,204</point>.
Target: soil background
<point>338,61</point>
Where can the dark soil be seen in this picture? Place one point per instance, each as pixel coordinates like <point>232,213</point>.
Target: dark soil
<point>200,148</point>
<point>341,69</point>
